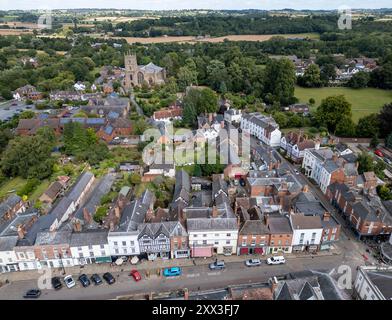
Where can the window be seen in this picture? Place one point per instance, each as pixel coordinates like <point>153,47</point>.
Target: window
<point>204,235</point>
<point>334,230</point>
<point>314,235</point>
<point>327,231</point>
<point>25,265</point>
<point>102,246</point>
<point>253,243</point>
<point>332,237</point>
<point>227,241</point>
<point>79,248</point>
<point>124,250</point>
<point>228,234</point>
<point>1,260</point>
<point>116,251</point>
<point>195,235</point>
<point>124,243</point>
<point>103,253</point>
<point>22,256</point>
<point>272,242</point>
<point>216,234</point>
<point>279,242</point>
<point>132,243</point>
<point>243,242</point>
<point>90,247</point>
<point>91,254</point>
<point>133,250</point>
<point>115,243</point>
<point>80,255</point>
<point>216,242</point>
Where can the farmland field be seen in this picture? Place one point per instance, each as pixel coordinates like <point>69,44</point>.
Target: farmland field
<point>363,101</point>
<point>260,37</point>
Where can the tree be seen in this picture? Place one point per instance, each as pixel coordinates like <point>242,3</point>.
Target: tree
<point>5,137</point>
<point>281,119</point>
<point>279,81</point>
<point>345,127</point>
<point>312,101</point>
<point>186,77</point>
<point>359,80</point>
<point>139,126</point>
<point>384,192</point>
<point>365,162</point>
<point>368,126</point>
<point>198,101</point>
<point>385,119</point>
<point>333,110</point>
<point>374,142</point>
<point>216,74</point>
<point>311,77</point>
<point>28,157</point>
<point>328,72</point>
<point>135,178</point>
<point>388,141</point>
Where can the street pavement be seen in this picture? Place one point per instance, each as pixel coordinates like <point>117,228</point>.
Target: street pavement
<point>194,278</point>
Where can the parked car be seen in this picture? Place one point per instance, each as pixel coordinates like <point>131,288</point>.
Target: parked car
<point>276,260</point>
<point>388,161</point>
<point>253,262</point>
<point>56,283</point>
<point>109,278</point>
<point>217,265</point>
<point>84,280</point>
<point>296,171</point>
<point>378,153</point>
<point>96,279</point>
<point>242,182</point>
<point>172,272</point>
<point>69,282</point>
<point>136,275</point>
<point>32,294</point>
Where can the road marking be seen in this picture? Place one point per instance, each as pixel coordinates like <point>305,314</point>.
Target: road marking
<point>213,273</point>
<point>193,275</point>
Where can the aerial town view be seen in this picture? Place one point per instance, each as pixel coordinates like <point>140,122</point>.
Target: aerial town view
<point>205,150</point>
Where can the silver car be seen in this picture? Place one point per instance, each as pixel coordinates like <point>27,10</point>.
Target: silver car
<point>253,262</point>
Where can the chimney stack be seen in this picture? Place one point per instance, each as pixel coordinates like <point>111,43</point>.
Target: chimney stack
<point>334,157</point>
<point>274,284</point>
<point>21,231</point>
<point>214,212</point>
<point>77,226</point>
<point>305,188</point>
<point>186,294</point>
<point>117,212</point>
<point>86,216</point>
<point>326,216</point>
<point>111,226</point>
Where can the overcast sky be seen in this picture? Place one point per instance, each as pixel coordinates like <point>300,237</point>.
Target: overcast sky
<point>192,4</point>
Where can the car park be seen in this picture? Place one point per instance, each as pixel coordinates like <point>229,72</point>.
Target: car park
<point>217,265</point>
<point>136,275</point>
<point>172,272</point>
<point>108,277</point>
<point>253,262</point>
<point>32,294</point>
<point>84,280</point>
<point>96,279</point>
<point>276,260</point>
<point>56,283</point>
<point>69,282</point>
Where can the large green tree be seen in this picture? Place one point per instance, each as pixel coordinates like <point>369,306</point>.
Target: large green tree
<point>332,111</point>
<point>385,119</point>
<point>279,81</point>
<point>198,101</point>
<point>311,77</point>
<point>368,126</point>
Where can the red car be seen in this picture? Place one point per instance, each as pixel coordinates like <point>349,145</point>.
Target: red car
<point>379,153</point>
<point>136,275</point>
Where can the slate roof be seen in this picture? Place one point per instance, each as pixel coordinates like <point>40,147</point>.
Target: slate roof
<point>135,213</point>
<point>299,221</point>
<point>167,228</point>
<point>9,204</point>
<point>53,190</point>
<point>53,238</point>
<point>210,224</point>
<point>8,243</point>
<point>150,68</point>
<point>383,281</point>
<point>250,227</point>
<point>279,225</point>
<point>80,185</point>
<point>80,239</point>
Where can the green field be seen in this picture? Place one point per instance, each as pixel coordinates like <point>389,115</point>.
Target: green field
<point>363,101</point>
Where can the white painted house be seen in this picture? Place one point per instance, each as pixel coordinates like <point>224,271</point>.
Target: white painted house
<point>8,258</point>
<point>209,236</point>
<point>233,116</point>
<point>262,127</point>
<point>373,283</point>
<point>307,232</point>
<point>89,247</point>
<point>123,243</point>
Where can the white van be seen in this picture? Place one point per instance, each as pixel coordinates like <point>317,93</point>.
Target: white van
<point>276,260</point>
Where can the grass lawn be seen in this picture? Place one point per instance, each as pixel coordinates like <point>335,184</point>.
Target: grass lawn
<point>363,101</point>
<point>11,185</point>
<point>16,184</point>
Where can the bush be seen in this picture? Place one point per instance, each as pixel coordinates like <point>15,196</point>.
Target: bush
<point>29,187</point>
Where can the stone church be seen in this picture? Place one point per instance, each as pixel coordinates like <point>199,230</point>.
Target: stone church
<point>135,75</point>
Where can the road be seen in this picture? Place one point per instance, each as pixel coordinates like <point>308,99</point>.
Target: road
<point>194,278</point>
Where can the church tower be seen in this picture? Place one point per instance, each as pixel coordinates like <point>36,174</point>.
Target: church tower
<point>131,69</point>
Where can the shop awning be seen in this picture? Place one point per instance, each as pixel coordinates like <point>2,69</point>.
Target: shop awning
<point>103,259</point>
